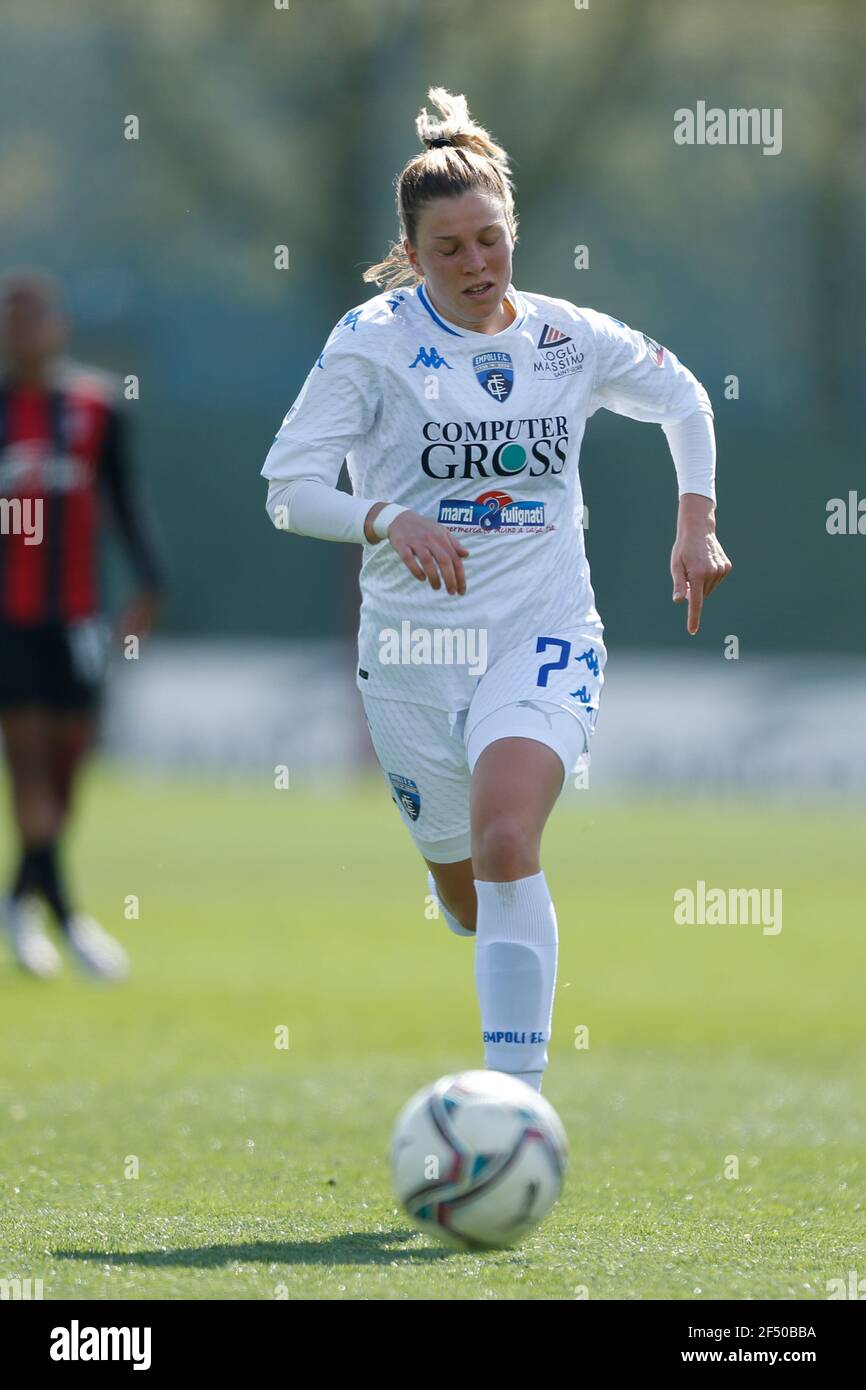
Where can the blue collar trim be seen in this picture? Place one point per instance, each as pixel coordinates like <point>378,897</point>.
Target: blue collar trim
<point>455,332</point>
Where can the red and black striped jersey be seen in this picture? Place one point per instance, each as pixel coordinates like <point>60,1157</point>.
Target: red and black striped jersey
<point>63,456</point>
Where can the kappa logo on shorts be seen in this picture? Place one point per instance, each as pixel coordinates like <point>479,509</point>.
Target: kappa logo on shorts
<point>591,659</point>
<point>590,656</point>
<point>408,795</point>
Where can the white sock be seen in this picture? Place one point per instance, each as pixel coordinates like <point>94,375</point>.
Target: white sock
<point>451,921</point>
<point>515,974</point>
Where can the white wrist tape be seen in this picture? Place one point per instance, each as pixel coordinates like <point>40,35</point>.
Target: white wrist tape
<point>385,517</point>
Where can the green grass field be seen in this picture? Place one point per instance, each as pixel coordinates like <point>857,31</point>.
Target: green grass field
<point>263,1171</point>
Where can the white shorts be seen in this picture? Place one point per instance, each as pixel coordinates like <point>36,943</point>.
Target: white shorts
<point>547,689</point>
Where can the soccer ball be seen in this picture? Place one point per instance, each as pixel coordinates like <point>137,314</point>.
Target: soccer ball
<point>478,1159</point>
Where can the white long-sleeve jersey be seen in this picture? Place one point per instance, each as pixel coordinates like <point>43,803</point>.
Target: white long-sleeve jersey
<point>482,433</point>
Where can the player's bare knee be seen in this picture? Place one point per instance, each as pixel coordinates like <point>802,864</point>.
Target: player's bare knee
<point>504,850</point>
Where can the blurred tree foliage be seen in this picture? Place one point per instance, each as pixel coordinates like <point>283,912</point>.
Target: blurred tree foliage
<point>262,127</point>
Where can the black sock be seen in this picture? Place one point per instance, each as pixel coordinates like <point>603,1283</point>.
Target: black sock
<point>40,873</point>
<point>24,881</point>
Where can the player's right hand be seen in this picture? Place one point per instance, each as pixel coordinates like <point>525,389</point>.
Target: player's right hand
<point>428,550</point>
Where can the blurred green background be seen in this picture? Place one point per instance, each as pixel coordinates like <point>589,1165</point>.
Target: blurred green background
<point>262,127</point>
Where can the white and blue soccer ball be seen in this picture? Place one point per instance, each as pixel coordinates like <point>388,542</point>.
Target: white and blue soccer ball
<point>478,1158</point>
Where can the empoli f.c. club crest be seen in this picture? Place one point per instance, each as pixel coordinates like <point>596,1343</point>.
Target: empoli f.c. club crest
<point>495,372</point>
<point>407,794</point>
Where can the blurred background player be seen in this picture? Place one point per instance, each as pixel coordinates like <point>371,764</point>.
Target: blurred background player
<point>63,460</point>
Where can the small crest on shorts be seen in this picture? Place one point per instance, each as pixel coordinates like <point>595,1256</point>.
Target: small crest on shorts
<point>407,794</point>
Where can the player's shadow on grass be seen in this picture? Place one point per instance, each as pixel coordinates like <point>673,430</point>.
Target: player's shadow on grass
<point>362,1247</point>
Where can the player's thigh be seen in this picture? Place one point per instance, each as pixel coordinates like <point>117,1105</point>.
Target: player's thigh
<point>515,784</point>
<point>516,777</point>
<point>25,715</point>
<point>531,719</point>
<point>423,758</point>
<point>50,685</point>
<point>73,733</point>
<point>27,742</point>
<point>79,667</point>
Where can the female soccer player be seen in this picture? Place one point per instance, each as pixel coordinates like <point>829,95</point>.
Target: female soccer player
<point>460,404</point>
<point>62,455</point>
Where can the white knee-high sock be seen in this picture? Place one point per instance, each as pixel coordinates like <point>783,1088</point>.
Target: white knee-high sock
<point>450,921</point>
<point>515,974</point>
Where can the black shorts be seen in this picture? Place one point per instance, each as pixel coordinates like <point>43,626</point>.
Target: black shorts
<point>59,666</point>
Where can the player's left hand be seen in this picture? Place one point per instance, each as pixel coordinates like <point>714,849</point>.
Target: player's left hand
<point>698,562</point>
<point>139,616</point>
